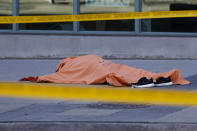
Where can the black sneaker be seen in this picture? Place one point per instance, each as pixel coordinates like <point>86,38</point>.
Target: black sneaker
<point>161,81</point>
<point>143,83</point>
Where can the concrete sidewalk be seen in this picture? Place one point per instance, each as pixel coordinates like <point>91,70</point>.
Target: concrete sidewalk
<point>29,114</point>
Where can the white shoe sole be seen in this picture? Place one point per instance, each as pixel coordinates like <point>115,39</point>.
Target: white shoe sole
<point>143,86</point>
<point>164,84</point>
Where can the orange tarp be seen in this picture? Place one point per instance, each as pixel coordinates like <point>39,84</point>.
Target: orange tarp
<point>92,69</point>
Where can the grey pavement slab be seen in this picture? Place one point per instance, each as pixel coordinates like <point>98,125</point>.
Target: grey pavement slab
<point>82,111</point>
<point>187,115</point>
<point>8,107</point>
<point>13,70</point>
<point>88,112</point>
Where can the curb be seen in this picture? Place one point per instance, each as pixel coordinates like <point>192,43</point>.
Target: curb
<point>88,126</point>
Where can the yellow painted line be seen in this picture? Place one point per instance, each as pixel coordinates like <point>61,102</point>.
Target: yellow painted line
<point>96,17</point>
<point>99,93</point>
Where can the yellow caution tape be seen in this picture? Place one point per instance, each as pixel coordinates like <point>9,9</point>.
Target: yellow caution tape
<point>98,93</point>
<point>96,17</point>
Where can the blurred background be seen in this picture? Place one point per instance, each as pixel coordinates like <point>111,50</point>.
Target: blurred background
<point>60,7</point>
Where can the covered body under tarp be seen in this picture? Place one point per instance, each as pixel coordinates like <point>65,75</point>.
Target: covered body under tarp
<point>92,69</point>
